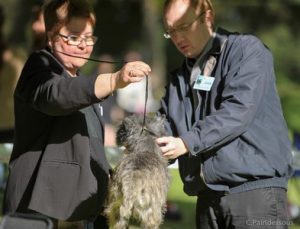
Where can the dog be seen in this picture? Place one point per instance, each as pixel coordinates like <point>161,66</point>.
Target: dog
<point>140,181</point>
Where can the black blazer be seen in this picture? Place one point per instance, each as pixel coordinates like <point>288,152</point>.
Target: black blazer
<point>58,166</point>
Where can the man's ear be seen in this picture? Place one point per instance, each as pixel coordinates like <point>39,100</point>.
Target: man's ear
<point>210,18</point>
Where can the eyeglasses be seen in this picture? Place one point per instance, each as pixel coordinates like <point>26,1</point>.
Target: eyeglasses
<point>76,40</point>
<point>181,28</point>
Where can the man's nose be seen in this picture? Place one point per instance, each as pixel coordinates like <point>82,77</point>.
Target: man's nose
<point>177,38</point>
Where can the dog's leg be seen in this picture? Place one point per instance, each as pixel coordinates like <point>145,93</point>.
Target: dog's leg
<point>152,217</point>
<point>124,217</point>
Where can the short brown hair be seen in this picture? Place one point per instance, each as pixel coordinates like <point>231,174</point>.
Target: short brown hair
<point>58,13</point>
<point>204,4</point>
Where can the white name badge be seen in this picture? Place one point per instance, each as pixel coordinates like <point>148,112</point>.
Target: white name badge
<point>204,83</point>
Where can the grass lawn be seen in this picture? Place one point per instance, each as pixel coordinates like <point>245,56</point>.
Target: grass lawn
<point>186,204</point>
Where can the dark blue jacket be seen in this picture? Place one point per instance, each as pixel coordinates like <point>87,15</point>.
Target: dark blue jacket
<point>239,134</point>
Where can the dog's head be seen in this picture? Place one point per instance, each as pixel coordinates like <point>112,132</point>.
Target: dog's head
<point>132,130</point>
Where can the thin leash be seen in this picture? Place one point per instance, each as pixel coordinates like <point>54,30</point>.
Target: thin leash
<point>94,60</point>
<point>145,106</point>
<point>116,62</point>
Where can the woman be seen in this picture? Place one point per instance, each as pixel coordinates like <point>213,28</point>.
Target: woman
<point>58,167</point>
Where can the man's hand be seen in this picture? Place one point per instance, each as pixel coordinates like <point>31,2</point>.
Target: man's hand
<point>171,147</point>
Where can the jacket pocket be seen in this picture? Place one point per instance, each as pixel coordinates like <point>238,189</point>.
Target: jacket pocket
<point>55,191</point>
<point>236,163</point>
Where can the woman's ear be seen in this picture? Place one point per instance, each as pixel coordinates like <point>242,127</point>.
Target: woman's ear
<point>49,40</point>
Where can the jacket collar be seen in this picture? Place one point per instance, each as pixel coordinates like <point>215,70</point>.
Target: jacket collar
<point>219,41</point>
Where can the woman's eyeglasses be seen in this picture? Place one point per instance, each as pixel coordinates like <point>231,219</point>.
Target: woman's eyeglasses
<point>76,40</point>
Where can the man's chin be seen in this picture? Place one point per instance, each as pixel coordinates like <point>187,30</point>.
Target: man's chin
<point>189,54</point>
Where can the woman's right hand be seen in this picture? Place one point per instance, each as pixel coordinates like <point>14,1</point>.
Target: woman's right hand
<point>131,72</point>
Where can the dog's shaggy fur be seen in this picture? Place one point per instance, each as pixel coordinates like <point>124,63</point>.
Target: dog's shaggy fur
<point>140,182</point>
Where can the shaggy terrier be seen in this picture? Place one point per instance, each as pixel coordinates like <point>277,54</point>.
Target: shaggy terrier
<point>139,184</point>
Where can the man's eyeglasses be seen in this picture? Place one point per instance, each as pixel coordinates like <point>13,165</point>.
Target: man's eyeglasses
<point>181,28</point>
<point>76,40</point>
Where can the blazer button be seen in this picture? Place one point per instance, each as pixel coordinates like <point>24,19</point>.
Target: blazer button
<point>196,148</point>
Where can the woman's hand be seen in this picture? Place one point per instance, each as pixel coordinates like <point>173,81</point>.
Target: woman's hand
<point>171,147</point>
<point>131,72</point>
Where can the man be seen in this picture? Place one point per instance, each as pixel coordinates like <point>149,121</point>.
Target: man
<point>222,108</point>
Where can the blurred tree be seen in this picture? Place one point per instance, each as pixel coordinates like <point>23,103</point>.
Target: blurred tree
<point>119,25</point>
<point>275,22</point>
<point>153,37</point>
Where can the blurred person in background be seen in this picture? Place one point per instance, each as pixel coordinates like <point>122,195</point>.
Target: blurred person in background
<point>38,27</point>
<point>10,68</point>
<point>58,167</point>
<point>224,114</point>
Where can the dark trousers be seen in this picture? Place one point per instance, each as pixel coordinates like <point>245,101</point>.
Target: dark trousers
<point>255,209</point>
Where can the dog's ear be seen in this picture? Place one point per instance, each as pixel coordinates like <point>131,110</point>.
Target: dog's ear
<point>129,127</point>
<point>121,134</point>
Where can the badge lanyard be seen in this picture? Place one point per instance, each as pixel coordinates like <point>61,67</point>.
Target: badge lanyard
<point>204,82</point>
